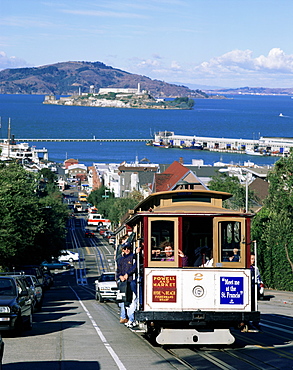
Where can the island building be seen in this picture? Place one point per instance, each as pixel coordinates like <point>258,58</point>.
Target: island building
<point>120,92</point>
<point>107,90</point>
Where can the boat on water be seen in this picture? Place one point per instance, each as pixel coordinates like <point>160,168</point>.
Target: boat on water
<point>21,152</point>
<point>281,115</point>
<point>161,145</point>
<point>193,146</point>
<point>254,152</point>
<point>157,143</point>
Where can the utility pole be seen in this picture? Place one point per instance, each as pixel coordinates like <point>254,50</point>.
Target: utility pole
<point>246,193</point>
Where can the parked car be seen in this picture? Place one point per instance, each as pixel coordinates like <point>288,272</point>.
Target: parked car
<point>48,277</point>
<point>112,240</point>
<point>102,231</point>
<point>89,233</point>
<point>35,270</point>
<point>107,234</point>
<point>68,256</point>
<point>16,306</point>
<point>1,351</point>
<point>56,265</point>
<point>36,291</point>
<point>106,287</point>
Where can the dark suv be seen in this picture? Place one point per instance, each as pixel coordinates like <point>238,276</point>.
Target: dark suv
<point>16,306</point>
<point>34,270</point>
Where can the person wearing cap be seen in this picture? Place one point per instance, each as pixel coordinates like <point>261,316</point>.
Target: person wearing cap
<point>126,268</point>
<point>119,249</point>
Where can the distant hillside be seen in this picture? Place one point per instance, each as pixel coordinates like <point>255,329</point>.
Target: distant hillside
<point>68,78</point>
<point>254,91</point>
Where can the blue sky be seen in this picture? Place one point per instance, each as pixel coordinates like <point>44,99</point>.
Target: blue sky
<point>227,43</point>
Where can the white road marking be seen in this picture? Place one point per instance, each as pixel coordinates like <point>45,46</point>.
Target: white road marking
<point>276,328</point>
<point>101,335</point>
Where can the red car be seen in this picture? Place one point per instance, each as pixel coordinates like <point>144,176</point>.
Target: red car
<point>89,234</point>
<point>102,231</point>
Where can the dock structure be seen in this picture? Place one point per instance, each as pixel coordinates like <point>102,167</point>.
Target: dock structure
<point>94,139</point>
<point>22,152</point>
<point>277,146</point>
<point>262,146</point>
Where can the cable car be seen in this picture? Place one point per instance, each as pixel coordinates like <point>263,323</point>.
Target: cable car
<point>193,278</point>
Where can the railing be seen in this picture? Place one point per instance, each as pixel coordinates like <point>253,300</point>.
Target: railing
<point>75,140</point>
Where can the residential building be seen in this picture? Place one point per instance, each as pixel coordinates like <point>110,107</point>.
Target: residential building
<point>176,176</point>
<point>131,177</point>
<point>70,162</point>
<point>77,171</point>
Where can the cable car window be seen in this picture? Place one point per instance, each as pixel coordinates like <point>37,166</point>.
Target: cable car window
<point>230,236</point>
<point>162,240</point>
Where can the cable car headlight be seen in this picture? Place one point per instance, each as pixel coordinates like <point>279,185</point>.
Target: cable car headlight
<point>198,291</point>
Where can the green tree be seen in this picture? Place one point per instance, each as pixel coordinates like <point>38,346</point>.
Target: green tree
<point>31,226</point>
<point>231,184</point>
<point>116,208</point>
<point>273,228</point>
<point>183,102</point>
<point>119,208</point>
<point>111,207</point>
<point>19,211</point>
<point>51,237</point>
<point>48,175</point>
<point>97,196</point>
<point>136,195</point>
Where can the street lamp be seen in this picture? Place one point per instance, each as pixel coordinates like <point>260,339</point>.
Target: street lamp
<point>106,196</point>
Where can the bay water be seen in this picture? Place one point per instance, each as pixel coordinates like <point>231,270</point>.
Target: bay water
<point>239,116</point>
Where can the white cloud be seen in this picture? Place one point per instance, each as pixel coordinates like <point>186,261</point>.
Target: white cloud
<point>111,14</point>
<point>175,66</point>
<point>276,60</point>
<point>148,63</point>
<point>156,65</point>
<point>242,61</point>
<point>11,62</point>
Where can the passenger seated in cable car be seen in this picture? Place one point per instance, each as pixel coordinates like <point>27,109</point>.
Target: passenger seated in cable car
<point>168,250</point>
<point>209,261</point>
<point>200,255</point>
<point>235,257</point>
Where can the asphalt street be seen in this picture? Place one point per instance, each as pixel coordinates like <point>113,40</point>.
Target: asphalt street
<point>73,331</point>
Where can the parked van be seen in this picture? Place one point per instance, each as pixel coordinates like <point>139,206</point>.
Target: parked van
<point>77,207</point>
<point>82,197</point>
<point>96,219</point>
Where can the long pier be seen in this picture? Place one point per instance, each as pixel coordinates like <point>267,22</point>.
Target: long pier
<point>94,139</point>
<point>262,146</point>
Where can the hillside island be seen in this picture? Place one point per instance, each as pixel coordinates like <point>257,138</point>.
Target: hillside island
<point>120,98</point>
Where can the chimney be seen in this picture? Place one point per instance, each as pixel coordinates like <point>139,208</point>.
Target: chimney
<point>181,161</point>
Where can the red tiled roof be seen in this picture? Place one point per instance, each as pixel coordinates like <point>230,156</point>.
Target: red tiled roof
<point>169,178</point>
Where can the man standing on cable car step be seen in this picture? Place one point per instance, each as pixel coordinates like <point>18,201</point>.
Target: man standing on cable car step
<point>126,268</point>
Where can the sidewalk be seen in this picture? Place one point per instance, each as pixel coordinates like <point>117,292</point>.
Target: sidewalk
<point>278,296</point>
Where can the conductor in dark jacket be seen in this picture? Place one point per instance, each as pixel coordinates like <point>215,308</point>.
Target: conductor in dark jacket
<point>126,268</point>
<point>126,265</point>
